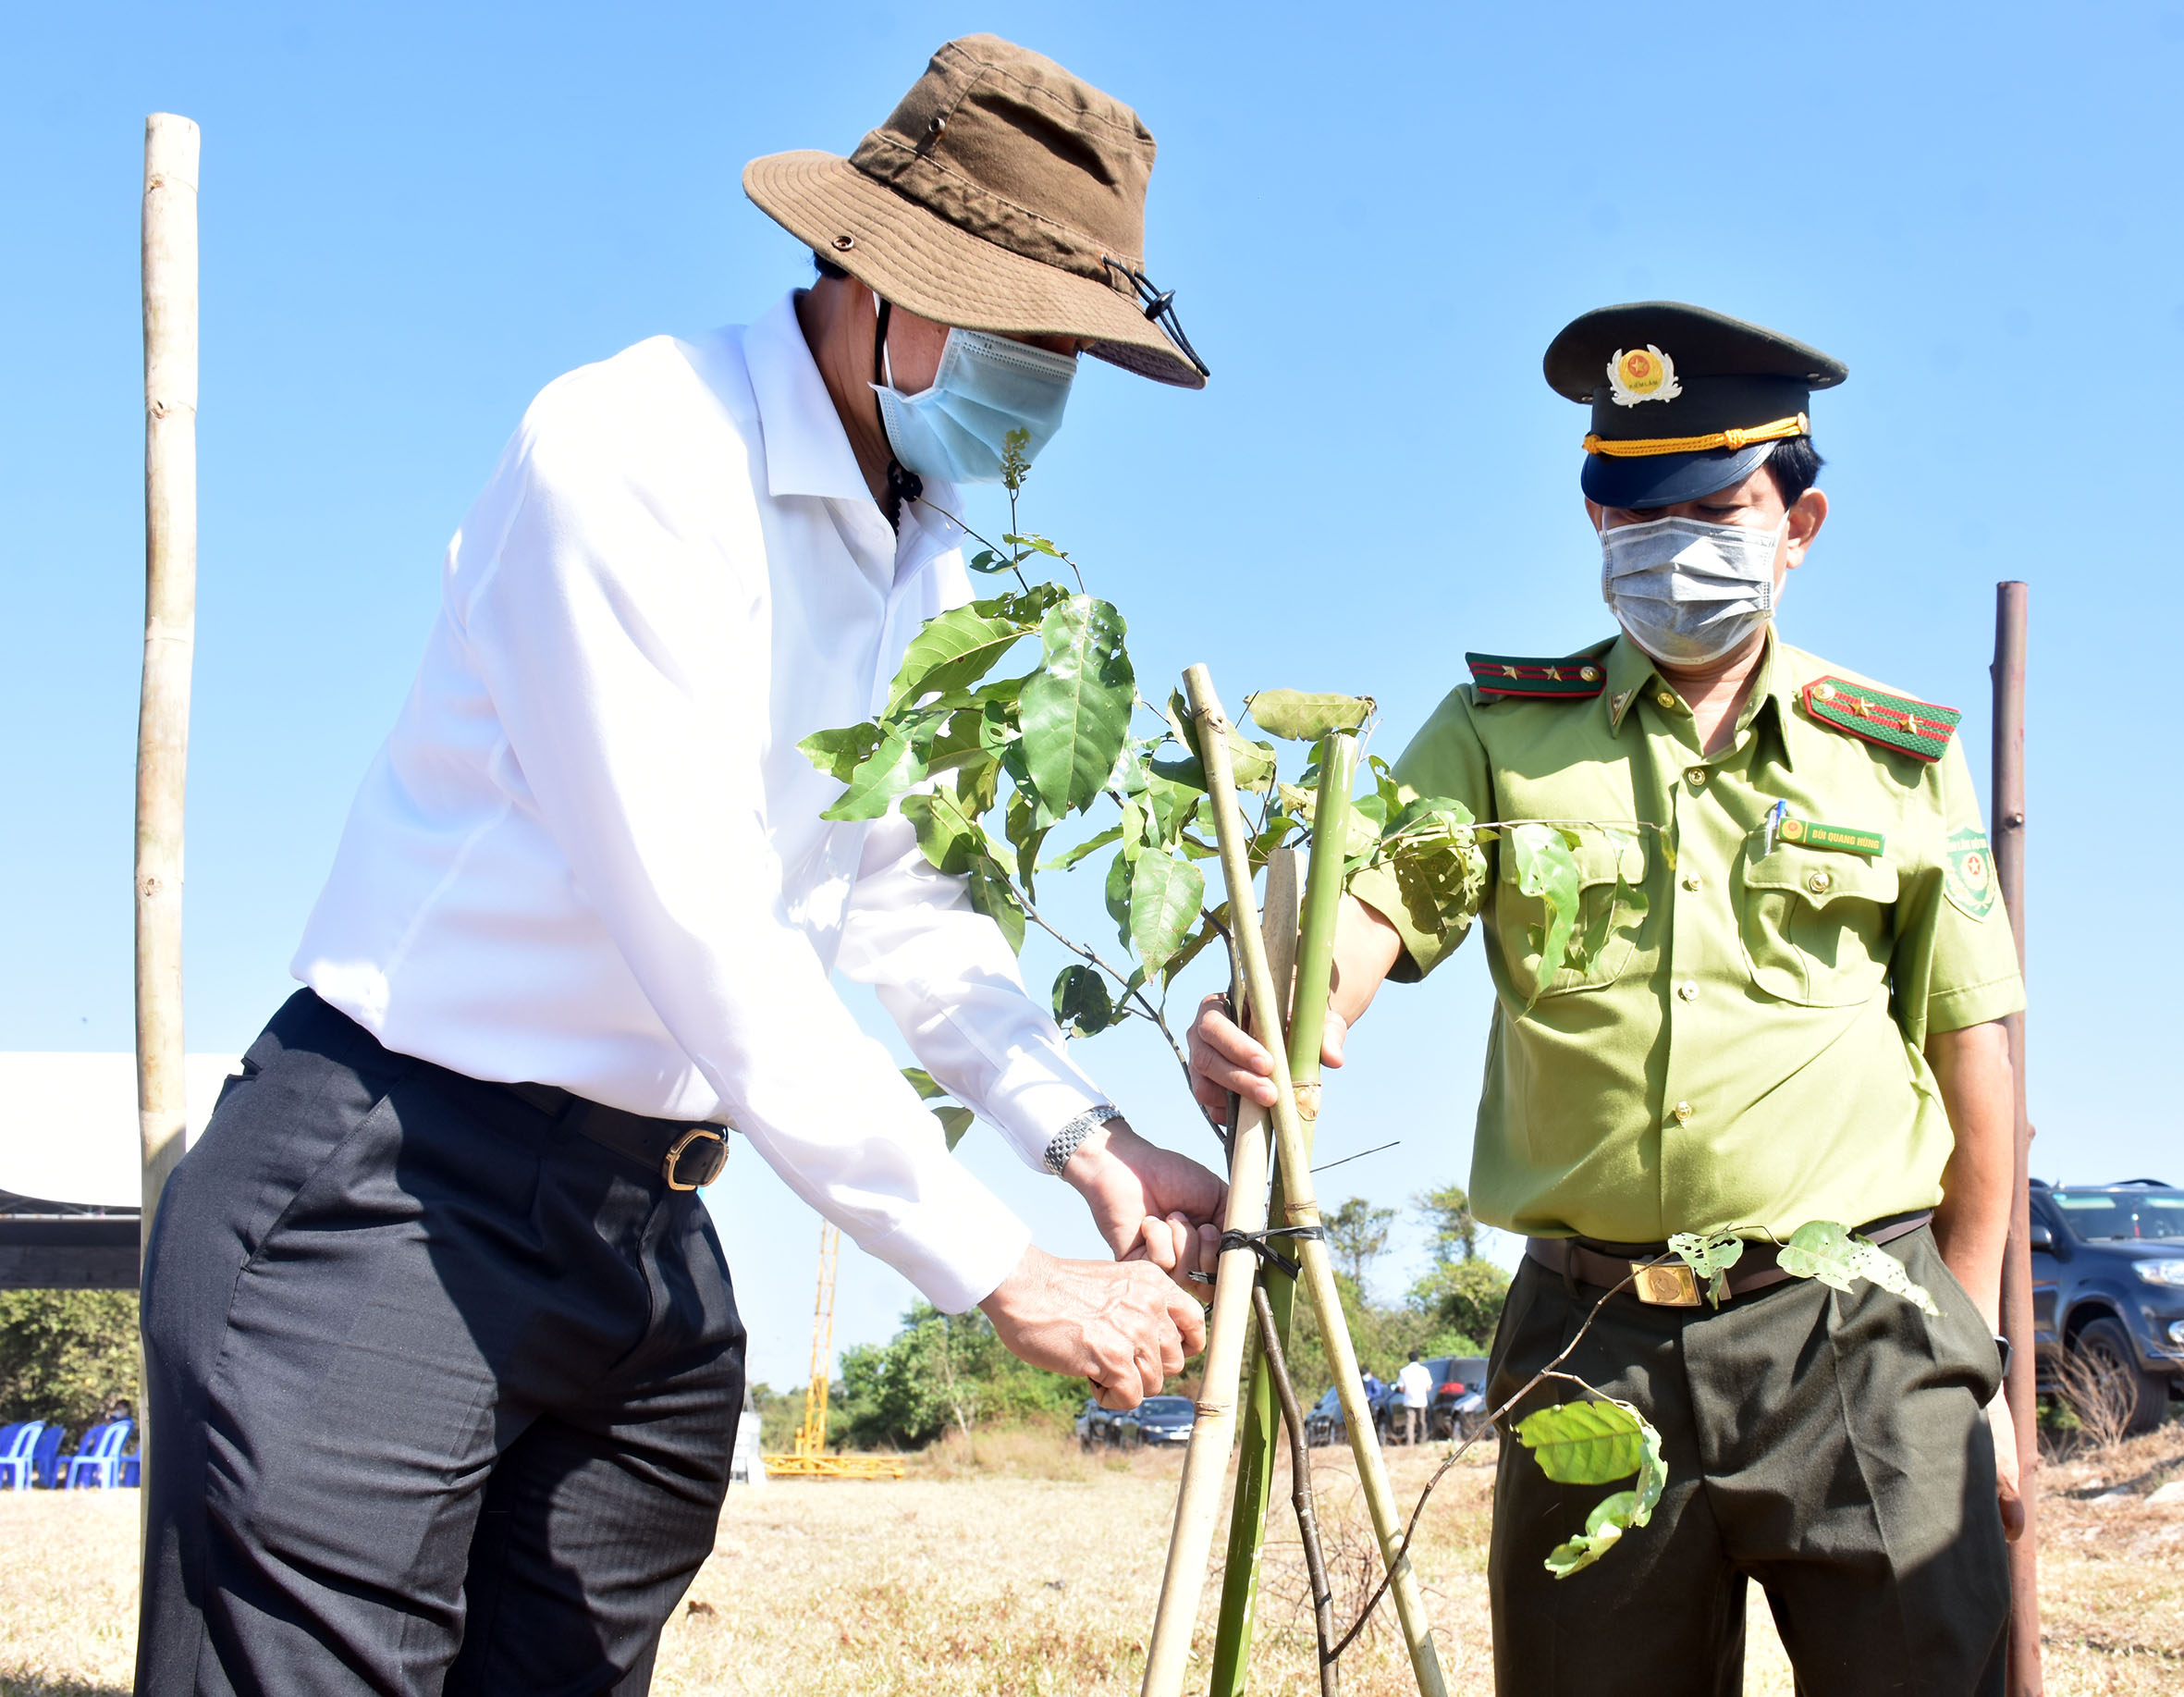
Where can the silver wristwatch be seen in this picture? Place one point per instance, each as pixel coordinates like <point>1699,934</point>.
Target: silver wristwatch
<point>1065,1141</point>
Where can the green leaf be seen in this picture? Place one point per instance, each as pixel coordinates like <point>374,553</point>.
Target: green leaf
<point>1597,1442</point>
<point>1253,762</point>
<point>1709,1257</point>
<point>1585,1443</point>
<point>1165,891</point>
<point>1604,1528</point>
<point>1091,846</point>
<point>1299,717</point>
<point>923,1083</point>
<point>1213,929</point>
<point>1083,1006</point>
<point>886,772</point>
<point>840,753</point>
<point>948,837</point>
<point>1546,868</point>
<point>953,651</point>
<point>1076,709</point>
<point>954,1120</point>
<point>1822,1249</point>
<point>990,895</point>
<point>1025,831</point>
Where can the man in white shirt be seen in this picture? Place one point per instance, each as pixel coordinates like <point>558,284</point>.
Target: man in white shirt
<point>1414,1385</point>
<point>445,1367</point>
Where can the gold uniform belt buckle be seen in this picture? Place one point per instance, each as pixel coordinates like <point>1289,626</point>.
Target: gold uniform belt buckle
<point>715,1159</point>
<point>1664,1283</point>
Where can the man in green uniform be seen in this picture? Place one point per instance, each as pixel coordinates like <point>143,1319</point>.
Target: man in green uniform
<point>1785,1011</point>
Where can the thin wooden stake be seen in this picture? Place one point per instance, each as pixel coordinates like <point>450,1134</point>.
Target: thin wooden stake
<point>1213,1434</point>
<point>2025,1678</point>
<point>170,622</point>
<point>1303,1207</point>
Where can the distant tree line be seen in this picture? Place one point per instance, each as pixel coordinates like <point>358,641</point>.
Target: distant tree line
<point>67,1356</point>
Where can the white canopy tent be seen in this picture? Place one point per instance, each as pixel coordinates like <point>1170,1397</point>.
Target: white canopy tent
<point>69,1124</point>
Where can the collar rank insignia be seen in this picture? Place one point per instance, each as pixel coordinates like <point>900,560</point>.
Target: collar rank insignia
<point>1578,677</point>
<point>1916,727</point>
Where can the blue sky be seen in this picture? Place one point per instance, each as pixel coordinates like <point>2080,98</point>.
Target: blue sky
<point>414,216</point>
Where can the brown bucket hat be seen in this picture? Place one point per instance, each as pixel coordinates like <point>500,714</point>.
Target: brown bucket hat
<point>1003,195</point>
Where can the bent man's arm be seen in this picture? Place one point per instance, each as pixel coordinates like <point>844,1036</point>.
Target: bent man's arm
<point>1972,1068</point>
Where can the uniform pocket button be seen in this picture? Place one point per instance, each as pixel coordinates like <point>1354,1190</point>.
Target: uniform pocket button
<point>1688,989</point>
<point>1693,882</point>
<point>1817,884</point>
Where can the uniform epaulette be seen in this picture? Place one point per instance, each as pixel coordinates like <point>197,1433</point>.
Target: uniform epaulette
<point>1916,727</point>
<point>1579,677</point>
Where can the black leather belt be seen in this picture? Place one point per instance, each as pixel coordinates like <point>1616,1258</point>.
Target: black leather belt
<point>686,1153</point>
<point>1659,1278</point>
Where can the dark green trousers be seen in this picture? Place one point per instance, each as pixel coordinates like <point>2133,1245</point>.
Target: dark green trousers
<point>1831,1447</point>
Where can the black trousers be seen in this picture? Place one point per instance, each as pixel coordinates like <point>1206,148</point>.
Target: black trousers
<point>442,1393</point>
<point>1830,1446</point>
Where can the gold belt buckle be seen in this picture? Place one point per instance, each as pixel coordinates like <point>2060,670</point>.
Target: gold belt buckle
<point>672,1160</point>
<point>1664,1283</point>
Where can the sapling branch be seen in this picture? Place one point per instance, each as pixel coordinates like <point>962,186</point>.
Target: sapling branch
<point>1300,1488</point>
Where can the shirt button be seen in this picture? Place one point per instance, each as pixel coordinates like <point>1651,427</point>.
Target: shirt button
<point>1682,1113</point>
<point>1696,777</point>
<point>1817,884</point>
<point>1688,989</point>
<point>1665,699</point>
<point>1693,882</point>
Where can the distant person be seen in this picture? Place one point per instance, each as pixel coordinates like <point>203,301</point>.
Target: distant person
<point>1787,1010</point>
<point>444,1361</point>
<point>1416,1386</point>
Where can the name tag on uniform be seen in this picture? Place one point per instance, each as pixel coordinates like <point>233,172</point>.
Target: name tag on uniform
<point>1811,834</point>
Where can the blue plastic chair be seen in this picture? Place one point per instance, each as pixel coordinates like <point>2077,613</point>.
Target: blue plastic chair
<point>98,1458</point>
<point>45,1461</point>
<point>16,1441</point>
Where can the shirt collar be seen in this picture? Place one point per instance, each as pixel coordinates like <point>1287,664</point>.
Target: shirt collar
<point>808,451</point>
<point>1631,672</point>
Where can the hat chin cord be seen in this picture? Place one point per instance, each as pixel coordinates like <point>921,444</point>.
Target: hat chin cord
<point>903,484</point>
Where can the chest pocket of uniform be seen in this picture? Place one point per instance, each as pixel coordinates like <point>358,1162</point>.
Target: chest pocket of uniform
<point>1608,919</point>
<point>1818,927</point>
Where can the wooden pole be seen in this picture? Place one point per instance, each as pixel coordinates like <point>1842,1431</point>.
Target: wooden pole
<point>1307,1027</point>
<point>1213,1433</point>
<point>2011,610</point>
<point>1303,1207</point>
<point>170,619</point>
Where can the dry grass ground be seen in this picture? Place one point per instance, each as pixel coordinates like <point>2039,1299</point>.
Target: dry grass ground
<point>1019,1566</point>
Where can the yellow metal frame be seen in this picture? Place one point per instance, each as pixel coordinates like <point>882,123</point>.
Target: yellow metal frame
<point>809,1458</point>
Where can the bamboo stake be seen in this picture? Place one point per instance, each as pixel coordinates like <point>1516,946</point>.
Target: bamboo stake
<point>170,615</point>
<point>1302,1209</point>
<point>1206,1462</point>
<point>170,620</point>
<point>1300,1493</point>
<point>1307,1027</point>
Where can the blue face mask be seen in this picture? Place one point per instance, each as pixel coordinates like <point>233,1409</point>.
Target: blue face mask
<point>986,386</point>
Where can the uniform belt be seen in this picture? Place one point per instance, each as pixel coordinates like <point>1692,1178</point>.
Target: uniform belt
<point>687,1153</point>
<point>1660,1279</point>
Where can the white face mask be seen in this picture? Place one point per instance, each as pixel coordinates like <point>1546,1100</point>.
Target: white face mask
<point>1689,592</point>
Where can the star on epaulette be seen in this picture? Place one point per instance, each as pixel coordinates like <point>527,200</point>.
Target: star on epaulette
<point>1918,729</point>
<point>1579,677</point>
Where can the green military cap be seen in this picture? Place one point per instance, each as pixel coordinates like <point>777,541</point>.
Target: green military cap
<point>1684,401</point>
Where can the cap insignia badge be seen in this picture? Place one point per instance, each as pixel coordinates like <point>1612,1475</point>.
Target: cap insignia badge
<point>1642,373</point>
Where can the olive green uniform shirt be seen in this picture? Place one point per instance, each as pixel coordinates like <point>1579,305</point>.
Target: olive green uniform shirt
<point>1746,1049</point>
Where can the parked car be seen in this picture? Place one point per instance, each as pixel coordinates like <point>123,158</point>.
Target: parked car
<point>1324,1423</point>
<point>1458,1408</point>
<point>1156,1419</point>
<point>1096,1425</point>
<point>2108,1288</point>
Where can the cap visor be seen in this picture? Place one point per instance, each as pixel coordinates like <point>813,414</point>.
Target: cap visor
<point>1663,480</point>
<point>921,261</point>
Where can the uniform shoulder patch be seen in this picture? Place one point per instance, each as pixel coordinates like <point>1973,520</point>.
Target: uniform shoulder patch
<point>1968,879</point>
<point>1579,677</point>
<point>1916,727</point>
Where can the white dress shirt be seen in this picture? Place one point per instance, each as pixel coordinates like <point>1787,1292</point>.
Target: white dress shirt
<point>591,854</point>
